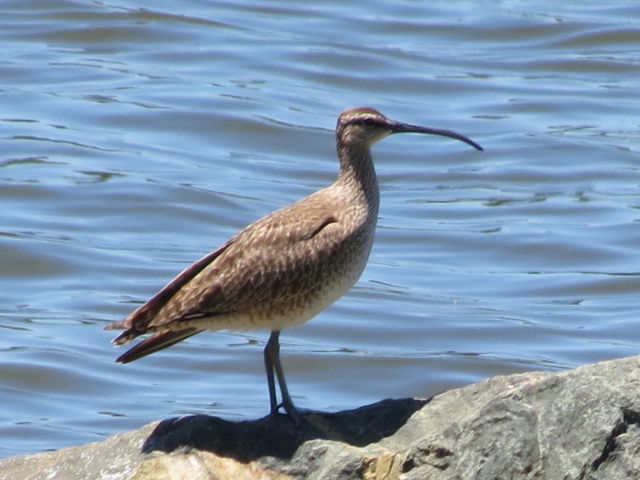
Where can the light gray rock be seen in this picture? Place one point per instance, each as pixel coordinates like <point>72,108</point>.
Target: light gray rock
<point>582,424</point>
<point>115,458</point>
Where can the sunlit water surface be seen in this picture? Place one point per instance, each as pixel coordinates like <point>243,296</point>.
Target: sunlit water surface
<point>135,140</point>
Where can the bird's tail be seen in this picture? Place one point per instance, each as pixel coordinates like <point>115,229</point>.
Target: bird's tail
<point>155,342</point>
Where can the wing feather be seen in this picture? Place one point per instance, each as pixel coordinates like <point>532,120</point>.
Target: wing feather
<point>269,261</point>
<point>156,342</point>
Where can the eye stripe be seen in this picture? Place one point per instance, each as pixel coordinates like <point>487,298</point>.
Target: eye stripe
<point>359,120</point>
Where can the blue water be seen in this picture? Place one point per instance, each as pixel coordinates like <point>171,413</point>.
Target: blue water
<point>135,139</point>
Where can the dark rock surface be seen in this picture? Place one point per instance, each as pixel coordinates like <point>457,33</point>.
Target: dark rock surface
<point>582,424</point>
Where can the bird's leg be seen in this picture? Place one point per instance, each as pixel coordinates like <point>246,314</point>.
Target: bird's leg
<point>268,363</point>
<point>272,350</point>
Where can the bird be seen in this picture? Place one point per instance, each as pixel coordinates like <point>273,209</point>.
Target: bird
<point>284,268</point>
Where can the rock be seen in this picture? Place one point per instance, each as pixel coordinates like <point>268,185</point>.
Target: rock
<point>582,424</point>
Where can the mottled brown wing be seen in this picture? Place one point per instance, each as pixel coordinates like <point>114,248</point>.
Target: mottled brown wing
<point>144,314</point>
<point>254,267</point>
<point>263,264</point>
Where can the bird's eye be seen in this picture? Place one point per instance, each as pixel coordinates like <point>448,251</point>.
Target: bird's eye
<point>369,121</point>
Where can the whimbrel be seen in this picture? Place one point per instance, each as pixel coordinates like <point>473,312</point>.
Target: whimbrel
<point>284,268</point>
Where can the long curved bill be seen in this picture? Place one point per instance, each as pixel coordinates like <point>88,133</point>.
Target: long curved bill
<point>399,127</point>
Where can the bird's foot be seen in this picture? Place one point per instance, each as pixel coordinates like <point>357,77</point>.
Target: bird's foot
<point>294,413</point>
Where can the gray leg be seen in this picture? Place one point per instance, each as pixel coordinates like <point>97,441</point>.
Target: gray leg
<point>273,365</point>
<point>268,363</point>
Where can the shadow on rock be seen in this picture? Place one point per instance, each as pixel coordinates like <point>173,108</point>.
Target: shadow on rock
<point>276,435</point>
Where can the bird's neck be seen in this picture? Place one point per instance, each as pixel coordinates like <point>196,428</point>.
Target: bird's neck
<point>358,174</point>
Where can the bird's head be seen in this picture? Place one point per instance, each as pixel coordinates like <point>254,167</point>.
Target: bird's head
<point>361,127</point>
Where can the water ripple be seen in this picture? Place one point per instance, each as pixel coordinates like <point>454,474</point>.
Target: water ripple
<point>136,140</point>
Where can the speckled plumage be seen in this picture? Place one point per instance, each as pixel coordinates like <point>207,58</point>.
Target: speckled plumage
<point>286,267</point>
